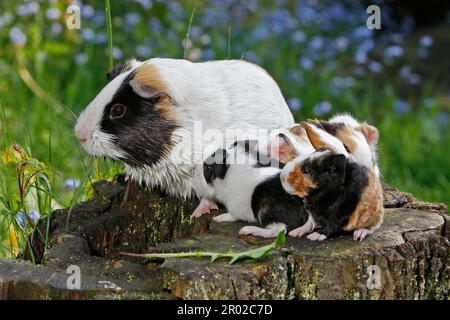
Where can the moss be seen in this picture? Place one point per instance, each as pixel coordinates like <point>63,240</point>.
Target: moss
<point>307,287</point>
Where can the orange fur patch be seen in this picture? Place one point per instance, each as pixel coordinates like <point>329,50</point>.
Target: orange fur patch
<point>314,138</point>
<point>301,183</point>
<point>148,76</point>
<point>346,136</point>
<point>370,211</point>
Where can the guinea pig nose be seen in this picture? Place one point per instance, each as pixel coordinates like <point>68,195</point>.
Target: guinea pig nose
<point>81,137</point>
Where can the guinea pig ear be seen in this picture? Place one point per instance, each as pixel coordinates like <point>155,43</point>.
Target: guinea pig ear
<point>370,132</point>
<point>337,167</point>
<point>282,149</point>
<point>155,96</point>
<point>120,68</point>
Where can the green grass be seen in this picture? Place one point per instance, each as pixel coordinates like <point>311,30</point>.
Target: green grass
<point>40,98</point>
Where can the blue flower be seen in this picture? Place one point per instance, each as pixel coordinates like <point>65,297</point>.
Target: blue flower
<point>401,106</point>
<point>316,43</point>
<point>341,43</point>
<point>27,9</point>
<point>405,72</point>
<point>426,41</point>
<point>360,56</point>
<point>132,19</point>
<point>322,108</point>
<point>22,219</point>
<point>442,118</point>
<point>306,63</point>
<point>295,103</point>
<point>143,51</point>
<point>80,58</point>
<point>375,67</point>
<point>208,54</point>
<point>87,34</point>
<point>298,37</point>
<point>147,4</point>
<point>117,53</point>
<point>56,28</point>
<point>394,51</point>
<point>71,184</point>
<point>87,11</point>
<point>52,13</point>
<point>362,32</point>
<point>17,37</point>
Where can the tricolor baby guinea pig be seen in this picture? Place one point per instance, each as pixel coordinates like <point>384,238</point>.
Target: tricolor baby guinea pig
<point>359,139</point>
<point>337,192</point>
<point>148,114</point>
<point>252,192</point>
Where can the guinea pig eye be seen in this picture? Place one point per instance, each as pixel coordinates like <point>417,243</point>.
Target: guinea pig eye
<point>332,170</point>
<point>117,111</point>
<point>306,170</point>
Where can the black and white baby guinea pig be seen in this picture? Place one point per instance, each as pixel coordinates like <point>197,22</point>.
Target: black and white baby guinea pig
<point>152,115</point>
<point>285,144</point>
<point>337,193</point>
<point>253,193</point>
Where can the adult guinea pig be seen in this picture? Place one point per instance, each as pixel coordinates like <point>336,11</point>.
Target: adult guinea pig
<point>153,115</point>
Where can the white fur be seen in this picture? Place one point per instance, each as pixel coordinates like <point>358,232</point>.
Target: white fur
<point>270,231</point>
<point>220,94</point>
<point>365,153</point>
<point>236,189</point>
<point>307,228</point>
<point>330,140</point>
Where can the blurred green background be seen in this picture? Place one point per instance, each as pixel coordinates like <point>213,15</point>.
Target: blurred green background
<point>321,54</point>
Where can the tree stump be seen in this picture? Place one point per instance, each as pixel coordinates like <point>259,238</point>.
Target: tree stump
<point>407,258</point>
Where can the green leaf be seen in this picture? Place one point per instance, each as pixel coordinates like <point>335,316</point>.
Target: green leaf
<point>257,253</point>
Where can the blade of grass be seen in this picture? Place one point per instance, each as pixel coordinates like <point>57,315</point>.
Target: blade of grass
<point>109,30</point>
<point>229,42</point>
<point>186,39</point>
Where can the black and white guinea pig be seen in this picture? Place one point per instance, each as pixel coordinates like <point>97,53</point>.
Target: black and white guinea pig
<point>252,192</point>
<point>147,114</point>
<point>285,144</point>
<point>340,194</point>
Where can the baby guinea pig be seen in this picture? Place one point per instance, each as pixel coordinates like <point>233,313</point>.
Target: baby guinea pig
<point>153,115</point>
<point>251,192</point>
<point>360,139</point>
<point>336,192</point>
<point>285,144</point>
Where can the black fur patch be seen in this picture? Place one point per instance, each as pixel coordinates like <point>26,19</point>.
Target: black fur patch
<point>143,133</point>
<point>215,166</point>
<point>118,69</point>
<point>340,184</point>
<point>271,204</point>
<point>262,160</point>
<point>331,128</point>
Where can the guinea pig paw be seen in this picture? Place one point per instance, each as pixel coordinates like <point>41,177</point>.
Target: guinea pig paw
<point>315,236</point>
<point>361,234</point>
<point>225,217</point>
<point>258,232</point>
<point>205,206</point>
<point>298,233</point>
